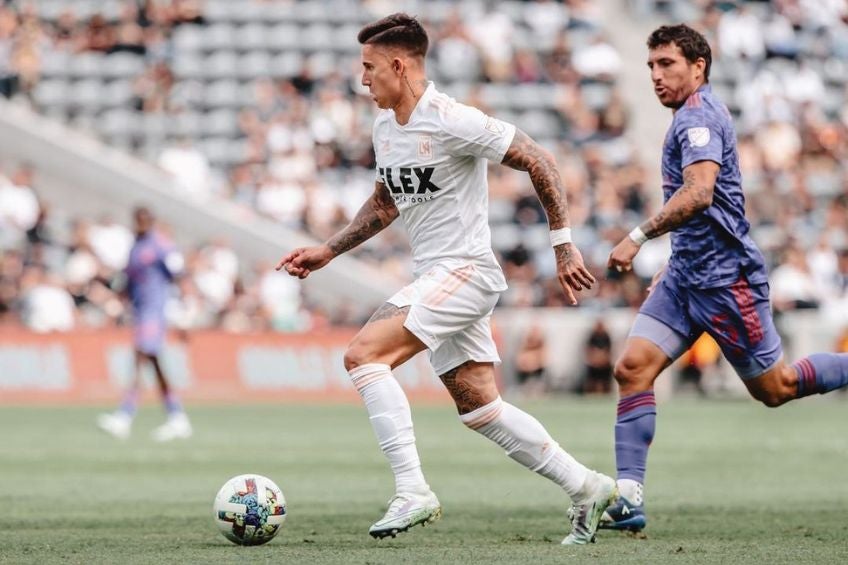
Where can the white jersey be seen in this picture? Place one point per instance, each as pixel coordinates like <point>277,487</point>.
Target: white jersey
<point>435,169</point>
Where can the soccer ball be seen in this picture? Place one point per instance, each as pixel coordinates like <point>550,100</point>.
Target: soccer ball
<point>249,509</point>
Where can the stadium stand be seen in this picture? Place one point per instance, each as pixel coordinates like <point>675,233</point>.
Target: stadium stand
<point>781,68</point>
<point>259,102</point>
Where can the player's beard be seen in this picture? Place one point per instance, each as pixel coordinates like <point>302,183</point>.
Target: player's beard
<point>671,101</point>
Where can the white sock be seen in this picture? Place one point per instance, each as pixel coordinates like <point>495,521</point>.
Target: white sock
<point>631,490</point>
<point>525,440</point>
<point>391,419</point>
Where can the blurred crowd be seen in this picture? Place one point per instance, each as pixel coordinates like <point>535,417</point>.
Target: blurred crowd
<point>782,69</point>
<point>141,28</point>
<point>59,273</point>
<point>295,145</point>
<point>302,155</point>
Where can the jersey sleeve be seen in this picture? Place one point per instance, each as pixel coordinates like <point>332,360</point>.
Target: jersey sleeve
<point>699,137</point>
<point>471,132</point>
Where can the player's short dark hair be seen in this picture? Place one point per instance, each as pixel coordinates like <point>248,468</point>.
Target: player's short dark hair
<point>692,43</point>
<point>141,210</point>
<point>398,30</point>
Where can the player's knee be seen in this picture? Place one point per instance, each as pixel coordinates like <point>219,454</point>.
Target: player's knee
<point>630,372</point>
<point>768,398</point>
<point>354,356</point>
<point>775,388</point>
<point>771,397</point>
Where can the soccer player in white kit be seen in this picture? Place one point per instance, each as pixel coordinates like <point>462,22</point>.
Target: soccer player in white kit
<point>432,156</point>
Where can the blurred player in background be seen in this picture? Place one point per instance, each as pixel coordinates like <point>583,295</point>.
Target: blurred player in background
<point>716,279</point>
<point>153,265</point>
<point>431,169</point>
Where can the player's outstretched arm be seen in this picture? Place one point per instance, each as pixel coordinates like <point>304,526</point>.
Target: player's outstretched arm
<point>375,215</point>
<point>695,196</point>
<point>524,154</point>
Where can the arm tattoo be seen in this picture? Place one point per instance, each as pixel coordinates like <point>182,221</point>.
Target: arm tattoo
<point>524,154</point>
<point>690,199</point>
<point>378,212</point>
<point>386,311</point>
<point>466,397</point>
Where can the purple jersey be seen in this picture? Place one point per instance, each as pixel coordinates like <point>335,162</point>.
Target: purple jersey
<point>713,249</point>
<point>148,276</point>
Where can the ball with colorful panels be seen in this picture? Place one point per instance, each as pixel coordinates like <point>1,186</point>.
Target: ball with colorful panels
<point>250,509</point>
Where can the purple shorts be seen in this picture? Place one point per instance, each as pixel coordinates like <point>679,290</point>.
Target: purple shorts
<point>738,317</point>
<point>149,335</point>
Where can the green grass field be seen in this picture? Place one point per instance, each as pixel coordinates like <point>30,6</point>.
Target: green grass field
<point>729,482</point>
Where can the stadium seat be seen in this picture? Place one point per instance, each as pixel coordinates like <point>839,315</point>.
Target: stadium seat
<point>282,37</point>
<point>215,11</point>
<point>247,12</point>
<point>835,71</point>
<point>187,94</point>
<point>51,9</point>
<point>188,38</point>
<point>344,38</point>
<point>188,65</point>
<point>252,36</point>
<point>536,236</point>
<point>55,63</point>
<point>501,211</point>
<point>117,93</point>
<point>87,94</point>
<point>223,93</point>
<point>222,122</point>
<point>186,124</point>
<point>85,65</point>
<point>342,11</point>
<point>219,36</point>
<point>505,236</point>
<point>286,65</point>
<point>221,64</point>
<point>119,122</point>
<point>310,12</point>
<point>216,149</point>
<point>51,93</point>
<point>322,63</point>
<point>531,95</point>
<point>276,12</point>
<point>122,65</point>
<point>254,64</point>
<point>154,126</point>
<point>315,37</point>
<point>596,95</point>
<point>539,124</point>
<point>496,95</point>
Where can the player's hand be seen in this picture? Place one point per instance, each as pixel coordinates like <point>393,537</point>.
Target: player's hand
<point>571,272</point>
<point>303,260</point>
<point>621,258</point>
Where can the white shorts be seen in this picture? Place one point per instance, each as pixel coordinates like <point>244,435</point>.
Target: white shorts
<point>450,311</point>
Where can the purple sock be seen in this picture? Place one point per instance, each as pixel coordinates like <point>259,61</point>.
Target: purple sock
<point>172,404</point>
<point>130,402</point>
<point>821,373</point>
<point>634,431</point>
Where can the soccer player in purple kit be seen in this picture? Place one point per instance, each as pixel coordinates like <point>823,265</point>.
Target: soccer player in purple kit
<point>152,265</point>
<point>716,279</point>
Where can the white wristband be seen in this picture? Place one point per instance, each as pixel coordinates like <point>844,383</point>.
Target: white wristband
<point>560,236</point>
<point>638,236</point>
